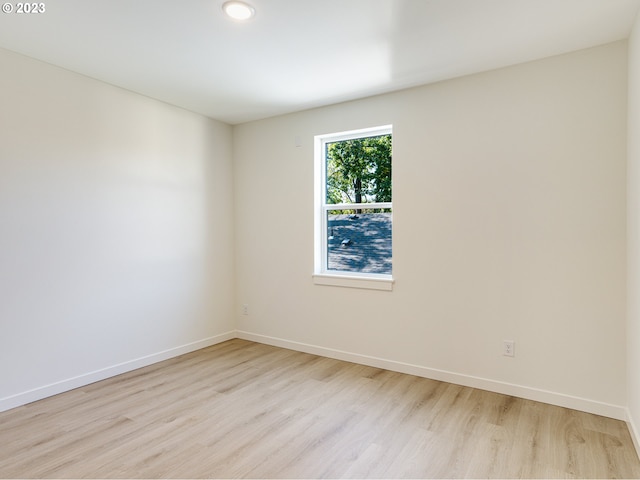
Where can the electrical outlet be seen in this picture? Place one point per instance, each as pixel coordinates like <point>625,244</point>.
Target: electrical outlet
<point>508,348</point>
<point>245,309</point>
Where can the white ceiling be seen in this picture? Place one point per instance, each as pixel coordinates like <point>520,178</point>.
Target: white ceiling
<point>297,54</point>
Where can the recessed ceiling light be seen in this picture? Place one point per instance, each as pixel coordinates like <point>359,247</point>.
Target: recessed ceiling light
<point>238,10</point>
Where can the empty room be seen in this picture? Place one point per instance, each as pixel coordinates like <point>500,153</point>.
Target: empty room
<point>320,239</point>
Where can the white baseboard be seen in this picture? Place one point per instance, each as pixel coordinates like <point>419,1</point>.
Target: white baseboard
<point>544,396</point>
<point>553,398</point>
<point>69,384</point>
<point>633,431</point>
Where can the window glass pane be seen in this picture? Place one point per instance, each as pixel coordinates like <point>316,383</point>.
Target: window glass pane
<point>359,170</point>
<point>359,240</point>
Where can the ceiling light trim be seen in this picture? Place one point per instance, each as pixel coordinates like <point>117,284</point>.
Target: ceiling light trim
<point>238,11</point>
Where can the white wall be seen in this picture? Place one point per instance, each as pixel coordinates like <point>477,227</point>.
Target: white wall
<point>633,212</point>
<point>116,230</point>
<point>509,223</point>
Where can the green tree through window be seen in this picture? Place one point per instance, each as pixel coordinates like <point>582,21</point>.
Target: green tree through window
<point>359,170</point>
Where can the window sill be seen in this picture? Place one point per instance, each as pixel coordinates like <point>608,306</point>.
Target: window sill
<point>352,281</point>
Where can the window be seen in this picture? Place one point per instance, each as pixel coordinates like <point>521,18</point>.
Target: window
<point>353,217</point>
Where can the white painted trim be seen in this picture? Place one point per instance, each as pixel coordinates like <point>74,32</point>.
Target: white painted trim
<point>359,133</point>
<point>633,431</point>
<point>353,281</point>
<point>591,406</point>
<point>355,206</point>
<point>553,398</point>
<point>81,380</point>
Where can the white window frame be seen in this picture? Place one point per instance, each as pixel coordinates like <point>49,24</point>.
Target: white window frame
<point>323,276</point>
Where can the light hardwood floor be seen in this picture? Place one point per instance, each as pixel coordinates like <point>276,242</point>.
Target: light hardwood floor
<point>242,409</point>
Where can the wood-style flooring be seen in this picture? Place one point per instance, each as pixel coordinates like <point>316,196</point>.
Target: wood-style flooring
<point>242,409</point>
